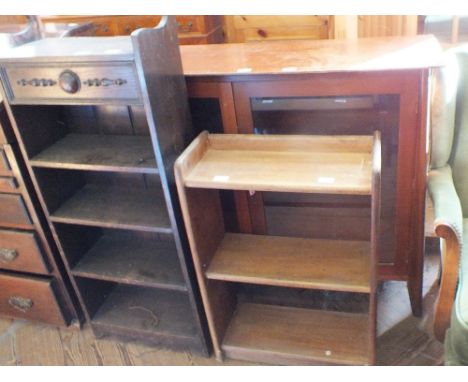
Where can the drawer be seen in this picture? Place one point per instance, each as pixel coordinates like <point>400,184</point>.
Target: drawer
<point>86,83</point>
<point>187,24</point>
<point>20,251</point>
<point>8,184</point>
<point>13,212</point>
<point>4,165</point>
<point>29,298</point>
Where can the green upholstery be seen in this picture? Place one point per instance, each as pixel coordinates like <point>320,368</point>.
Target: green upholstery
<point>456,338</point>
<point>448,187</point>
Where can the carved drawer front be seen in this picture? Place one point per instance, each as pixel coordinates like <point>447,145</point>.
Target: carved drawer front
<point>72,83</point>
<point>30,298</point>
<point>20,251</point>
<point>13,212</point>
<point>4,165</point>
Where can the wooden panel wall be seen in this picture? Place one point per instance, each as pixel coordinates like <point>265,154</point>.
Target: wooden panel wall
<point>256,28</point>
<point>395,25</point>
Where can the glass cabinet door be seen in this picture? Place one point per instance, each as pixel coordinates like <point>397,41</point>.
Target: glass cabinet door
<point>336,216</point>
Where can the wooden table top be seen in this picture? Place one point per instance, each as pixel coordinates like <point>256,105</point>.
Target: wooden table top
<point>311,56</point>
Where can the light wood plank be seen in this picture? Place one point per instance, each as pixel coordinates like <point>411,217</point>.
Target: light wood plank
<point>292,262</point>
<point>79,347</point>
<point>311,56</point>
<point>115,208</point>
<point>39,348</point>
<point>320,164</point>
<point>100,153</point>
<point>285,335</point>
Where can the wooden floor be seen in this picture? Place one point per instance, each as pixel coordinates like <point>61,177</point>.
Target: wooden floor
<point>403,339</point>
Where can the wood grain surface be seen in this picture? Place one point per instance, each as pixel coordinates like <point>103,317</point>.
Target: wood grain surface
<point>292,262</point>
<point>319,164</point>
<point>311,56</point>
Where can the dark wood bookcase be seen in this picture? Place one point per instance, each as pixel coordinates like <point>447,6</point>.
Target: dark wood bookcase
<point>100,121</point>
<point>269,298</point>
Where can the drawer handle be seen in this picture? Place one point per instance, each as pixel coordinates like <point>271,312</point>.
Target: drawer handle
<point>7,255</point>
<point>21,303</point>
<point>104,82</point>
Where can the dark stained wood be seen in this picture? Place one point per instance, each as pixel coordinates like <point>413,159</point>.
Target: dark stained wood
<point>13,212</point>
<point>318,221</point>
<point>133,261</point>
<point>30,298</point>
<point>297,336</point>
<point>115,208</point>
<point>27,256</point>
<point>292,262</point>
<point>415,280</point>
<point>153,311</point>
<point>375,233</point>
<point>99,153</point>
<point>83,204</point>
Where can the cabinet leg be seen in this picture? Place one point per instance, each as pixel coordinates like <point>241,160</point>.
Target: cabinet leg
<point>415,295</point>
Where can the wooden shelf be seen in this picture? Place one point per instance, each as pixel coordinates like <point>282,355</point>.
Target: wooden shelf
<point>113,207</point>
<point>153,311</point>
<point>133,261</point>
<point>315,164</point>
<point>262,333</point>
<point>338,265</point>
<point>125,153</point>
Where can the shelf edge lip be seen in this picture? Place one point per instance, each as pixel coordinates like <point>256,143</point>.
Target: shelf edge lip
<point>263,188</point>
<point>92,167</point>
<point>93,223</point>
<point>229,350</point>
<point>155,285</point>
<point>268,281</point>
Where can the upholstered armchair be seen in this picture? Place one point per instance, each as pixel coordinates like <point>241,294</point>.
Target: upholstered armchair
<point>448,188</point>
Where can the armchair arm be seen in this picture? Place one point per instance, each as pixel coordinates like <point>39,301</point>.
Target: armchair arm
<point>448,225</point>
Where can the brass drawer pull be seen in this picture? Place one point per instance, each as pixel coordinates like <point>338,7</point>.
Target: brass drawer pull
<point>7,255</point>
<point>21,303</point>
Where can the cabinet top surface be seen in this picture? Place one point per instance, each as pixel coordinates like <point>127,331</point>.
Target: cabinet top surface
<point>311,56</point>
<point>74,49</point>
<point>316,164</point>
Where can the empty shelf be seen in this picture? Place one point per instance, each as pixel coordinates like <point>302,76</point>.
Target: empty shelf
<point>153,311</point>
<point>339,265</point>
<point>284,335</point>
<point>133,261</point>
<point>113,207</point>
<point>318,164</point>
<point>126,153</point>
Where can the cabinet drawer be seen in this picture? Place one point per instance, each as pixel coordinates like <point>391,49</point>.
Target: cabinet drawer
<point>20,251</point>
<point>187,24</point>
<point>13,212</point>
<point>74,83</point>
<point>4,165</point>
<point>8,184</point>
<point>29,298</point>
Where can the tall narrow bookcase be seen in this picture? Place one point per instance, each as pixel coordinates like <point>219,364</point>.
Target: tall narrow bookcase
<point>264,295</point>
<point>100,122</point>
